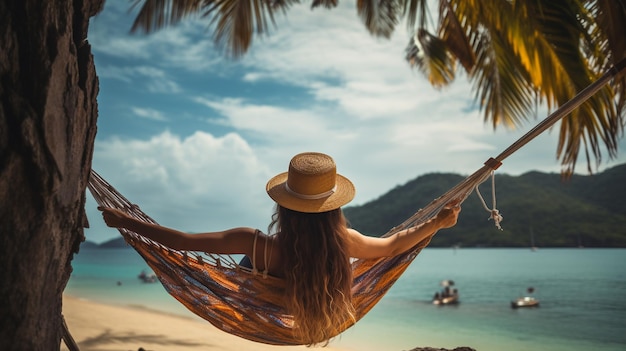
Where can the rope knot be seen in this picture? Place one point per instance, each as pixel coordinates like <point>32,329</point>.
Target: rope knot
<point>497,218</point>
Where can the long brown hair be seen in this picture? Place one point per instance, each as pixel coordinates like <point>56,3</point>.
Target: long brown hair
<point>317,272</point>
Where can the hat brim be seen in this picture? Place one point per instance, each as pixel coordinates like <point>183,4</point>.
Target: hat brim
<point>343,194</point>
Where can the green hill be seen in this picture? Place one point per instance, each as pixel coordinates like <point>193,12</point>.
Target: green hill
<point>584,210</point>
<point>116,243</point>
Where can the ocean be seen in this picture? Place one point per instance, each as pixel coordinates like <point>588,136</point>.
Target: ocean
<point>582,294</point>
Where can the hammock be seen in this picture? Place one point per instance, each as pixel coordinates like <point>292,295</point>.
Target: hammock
<point>238,301</point>
<point>241,302</point>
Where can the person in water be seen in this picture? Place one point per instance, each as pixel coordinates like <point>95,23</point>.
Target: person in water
<point>309,246</point>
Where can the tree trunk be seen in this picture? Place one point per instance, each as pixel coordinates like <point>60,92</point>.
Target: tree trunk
<point>48,113</point>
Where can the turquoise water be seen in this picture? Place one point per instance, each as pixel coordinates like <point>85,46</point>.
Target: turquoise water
<point>582,294</point>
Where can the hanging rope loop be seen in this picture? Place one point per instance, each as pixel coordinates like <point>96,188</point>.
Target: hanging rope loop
<point>494,214</point>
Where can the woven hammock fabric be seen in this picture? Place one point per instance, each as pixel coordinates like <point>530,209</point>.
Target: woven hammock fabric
<point>242,303</point>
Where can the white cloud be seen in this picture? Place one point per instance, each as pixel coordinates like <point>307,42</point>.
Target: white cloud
<point>155,80</point>
<point>275,124</point>
<point>149,114</point>
<point>199,183</point>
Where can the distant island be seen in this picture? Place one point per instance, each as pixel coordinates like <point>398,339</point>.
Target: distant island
<point>539,209</point>
<point>117,243</point>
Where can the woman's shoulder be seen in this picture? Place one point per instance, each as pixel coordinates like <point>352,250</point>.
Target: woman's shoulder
<point>353,232</point>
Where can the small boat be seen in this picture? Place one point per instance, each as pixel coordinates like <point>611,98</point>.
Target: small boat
<point>147,278</point>
<point>447,296</point>
<point>526,301</point>
<point>449,300</point>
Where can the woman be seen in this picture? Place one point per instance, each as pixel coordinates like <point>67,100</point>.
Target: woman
<point>311,246</point>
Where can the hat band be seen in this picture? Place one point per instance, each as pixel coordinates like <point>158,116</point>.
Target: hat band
<point>313,196</point>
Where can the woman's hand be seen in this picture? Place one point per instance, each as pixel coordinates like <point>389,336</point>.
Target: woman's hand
<point>114,217</point>
<point>448,215</point>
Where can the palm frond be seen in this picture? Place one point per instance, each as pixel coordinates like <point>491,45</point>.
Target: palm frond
<point>502,89</point>
<point>329,4</point>
<point>234,22</point>
<point>429,55</point>
<point>500,82</point>
<point>416,13</point>
<point>567,29</point>
<point>610,19</point>
<point>455,35</point>
<point>530,52</point>
<point>156,14</point>
<point>379,16</point>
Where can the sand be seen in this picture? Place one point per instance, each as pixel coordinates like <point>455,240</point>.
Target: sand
<point>99,327</point>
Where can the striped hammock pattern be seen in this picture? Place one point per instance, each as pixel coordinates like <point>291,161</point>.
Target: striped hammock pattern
<point>242,303</point>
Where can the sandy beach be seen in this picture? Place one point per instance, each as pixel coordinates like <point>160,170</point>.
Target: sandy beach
<point>99,327</point>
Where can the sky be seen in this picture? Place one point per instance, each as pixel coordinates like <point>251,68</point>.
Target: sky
<point>192,136</point>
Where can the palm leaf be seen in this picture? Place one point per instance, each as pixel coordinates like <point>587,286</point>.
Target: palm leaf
<point>416,13</point>
<point>567,28</point>
<point>455,36</point>
<point>433,60</point>
<point>233,22</point>
<point>329,4</point>
<point>502,89</point>
<point>379,16</point>
<point>610,19</point>
<point>156,14</point>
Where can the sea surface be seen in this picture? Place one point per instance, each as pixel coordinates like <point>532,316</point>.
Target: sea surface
<point>582,295</point>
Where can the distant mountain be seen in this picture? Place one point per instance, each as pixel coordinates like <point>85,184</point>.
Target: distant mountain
<point>116,243</point>
<point>585,211</point>
<point>89,245</point>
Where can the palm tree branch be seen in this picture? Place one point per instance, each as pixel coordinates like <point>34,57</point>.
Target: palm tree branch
<point>435,61</point>
<point>416,11</point>
<point>379,16</point>
<point>234,21</point>
<point>501,85</point>
<point>502,89</point>
<point>156,14</point>
<point>563,40</point>
<point>455,35</point>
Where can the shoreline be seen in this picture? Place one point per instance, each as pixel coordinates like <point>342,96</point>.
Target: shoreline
<point>97,326</point>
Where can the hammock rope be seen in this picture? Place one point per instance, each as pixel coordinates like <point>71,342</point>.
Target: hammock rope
<point>238,301</point>
<point>493,211</point>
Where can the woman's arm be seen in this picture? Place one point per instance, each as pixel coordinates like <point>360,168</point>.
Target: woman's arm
<point>232,241</point>
<point>362,246</point>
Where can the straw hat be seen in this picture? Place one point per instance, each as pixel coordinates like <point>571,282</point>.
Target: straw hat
<point>311,185</point>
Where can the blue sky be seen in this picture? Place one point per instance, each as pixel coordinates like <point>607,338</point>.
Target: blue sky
<point>192,136</point>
